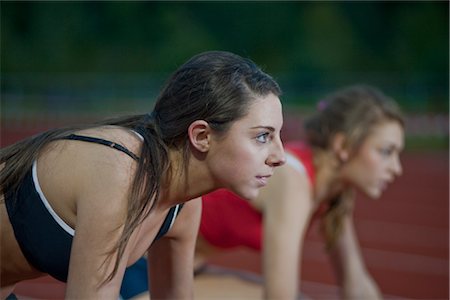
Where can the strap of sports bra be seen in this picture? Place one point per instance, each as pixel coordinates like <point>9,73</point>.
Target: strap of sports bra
<point>102,142</point>
<point>168,221</point>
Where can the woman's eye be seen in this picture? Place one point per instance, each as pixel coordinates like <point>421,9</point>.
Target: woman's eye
<point>263,138</point>
<point>386,151</point>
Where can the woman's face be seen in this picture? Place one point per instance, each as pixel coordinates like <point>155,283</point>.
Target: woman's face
<point>244,158</point>
<point>377,162</point>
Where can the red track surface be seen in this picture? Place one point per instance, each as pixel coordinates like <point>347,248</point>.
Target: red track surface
<point>404,237</point>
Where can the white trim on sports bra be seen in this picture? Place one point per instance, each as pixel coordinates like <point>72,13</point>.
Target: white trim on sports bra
<point>138,135</point>
<point>44,200</point>
<point>295,163</point>
<point>177,208</point>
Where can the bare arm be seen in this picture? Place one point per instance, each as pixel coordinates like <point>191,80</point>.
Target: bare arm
<point>288,207</point>
<point>171,259</point>
<point>101,191</point>
<point>348,263</point>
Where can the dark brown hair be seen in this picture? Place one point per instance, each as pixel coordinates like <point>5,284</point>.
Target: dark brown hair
<point>214,86</point>
<point>353,111</point>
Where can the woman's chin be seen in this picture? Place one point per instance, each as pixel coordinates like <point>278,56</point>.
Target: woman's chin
<point>248,194</point>
<point>374,194</point>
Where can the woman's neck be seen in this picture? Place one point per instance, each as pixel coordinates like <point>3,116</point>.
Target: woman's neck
<point>329,182</point>
<point>185,180</point>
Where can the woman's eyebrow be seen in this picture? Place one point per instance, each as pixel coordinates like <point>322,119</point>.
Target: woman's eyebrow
<point>270,128</point>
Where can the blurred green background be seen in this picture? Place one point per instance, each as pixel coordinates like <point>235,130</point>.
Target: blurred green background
<point>63,61</point>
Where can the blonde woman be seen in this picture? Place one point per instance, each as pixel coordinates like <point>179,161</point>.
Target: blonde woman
<point>353,143</point>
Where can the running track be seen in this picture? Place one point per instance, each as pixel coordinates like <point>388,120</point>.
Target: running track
<point>404,237</point>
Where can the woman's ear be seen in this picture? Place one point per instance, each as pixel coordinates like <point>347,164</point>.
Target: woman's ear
<point>199,135</point>
<point>340,147</point>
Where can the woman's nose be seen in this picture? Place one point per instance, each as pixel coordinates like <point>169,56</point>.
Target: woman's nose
<point>277,157</point>
<point>397,166</point>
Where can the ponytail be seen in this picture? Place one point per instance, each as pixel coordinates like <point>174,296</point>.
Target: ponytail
<point>332,221</point>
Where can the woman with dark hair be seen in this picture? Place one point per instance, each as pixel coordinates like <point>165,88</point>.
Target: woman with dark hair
<point>83,203</point>
<point>352,143</point>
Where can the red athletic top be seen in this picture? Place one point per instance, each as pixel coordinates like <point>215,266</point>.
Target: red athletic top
<point>229,221</point>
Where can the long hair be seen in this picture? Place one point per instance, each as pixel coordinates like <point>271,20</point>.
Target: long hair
<point>352,111</point>
<point>214,86</point>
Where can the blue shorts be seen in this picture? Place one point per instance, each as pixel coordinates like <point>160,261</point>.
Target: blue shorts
<point>135,280</point>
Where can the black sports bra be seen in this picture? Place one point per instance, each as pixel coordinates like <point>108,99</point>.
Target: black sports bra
<point>44,238</point>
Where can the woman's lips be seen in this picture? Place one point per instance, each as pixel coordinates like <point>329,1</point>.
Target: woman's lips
<point>262,180</point>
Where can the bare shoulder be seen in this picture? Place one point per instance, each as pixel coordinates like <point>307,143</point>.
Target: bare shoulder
<point>105,168</point>
<point>72,170</point>
<point>288,204</point>
<point>287,184</point>
<point>114,160</point>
